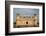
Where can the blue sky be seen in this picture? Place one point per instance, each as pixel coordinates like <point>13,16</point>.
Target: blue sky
<point>24,11</point>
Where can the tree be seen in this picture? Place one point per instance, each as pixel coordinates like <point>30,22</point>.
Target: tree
<point>14,22</point>
<point>35,14</point>
<point>18,14</point>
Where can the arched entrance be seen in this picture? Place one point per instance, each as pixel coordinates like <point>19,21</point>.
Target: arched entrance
<point>27,22</point>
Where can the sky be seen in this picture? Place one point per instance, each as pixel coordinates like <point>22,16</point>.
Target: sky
<point>24,11</point>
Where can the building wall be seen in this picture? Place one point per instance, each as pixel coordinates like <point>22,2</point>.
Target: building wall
<point>22,21</point>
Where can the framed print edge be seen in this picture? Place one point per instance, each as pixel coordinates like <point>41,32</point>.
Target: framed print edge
<point>7,20</point>
<point>29,28</point>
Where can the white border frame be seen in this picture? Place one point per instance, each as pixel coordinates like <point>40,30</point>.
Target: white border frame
<point>26,28</point>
